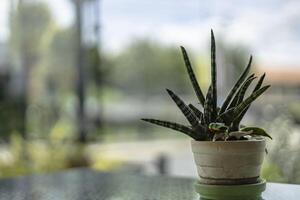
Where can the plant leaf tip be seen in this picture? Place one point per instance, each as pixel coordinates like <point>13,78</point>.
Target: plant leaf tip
<point>169,91</point>
<point>212,37</point>
<point>250,59</point>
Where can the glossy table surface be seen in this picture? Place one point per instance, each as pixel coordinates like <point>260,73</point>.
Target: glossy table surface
<point>85,184</point>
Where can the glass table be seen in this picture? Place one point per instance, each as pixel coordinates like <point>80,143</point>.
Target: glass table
<point>86,184</point>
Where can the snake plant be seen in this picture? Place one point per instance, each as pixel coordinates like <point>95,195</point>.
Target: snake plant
<point>214,122</point>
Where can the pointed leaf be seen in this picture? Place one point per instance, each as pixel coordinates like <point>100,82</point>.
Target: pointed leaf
<point>177,127</point>
<point>243,105</point>
<point>241,92</point>
<point>259,82</point>
<point>243,89</point>
<point>208,110</point>
<point>236,86</point>
<point>257,131</point>
<point>213,75</point>
<point>196,111</point>
<point>192,76</point>
<point>238,120</point>
<point>188,113</point>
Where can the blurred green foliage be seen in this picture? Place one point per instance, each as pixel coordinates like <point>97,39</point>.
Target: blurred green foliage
<point>61,61</point>
<point>10,116</point>
<point>271,172</point>
<point>23,157</point>
<point>30,26</point>
<point>283,160</point>
<point>294,110</point>
<point>145,66</point>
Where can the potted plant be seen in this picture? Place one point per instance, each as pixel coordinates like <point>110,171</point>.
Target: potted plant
<point>226,153</point>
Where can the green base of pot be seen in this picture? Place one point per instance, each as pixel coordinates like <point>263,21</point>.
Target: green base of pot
<point>231,192</point>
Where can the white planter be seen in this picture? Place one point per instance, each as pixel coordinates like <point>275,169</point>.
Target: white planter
<point>229,162</point>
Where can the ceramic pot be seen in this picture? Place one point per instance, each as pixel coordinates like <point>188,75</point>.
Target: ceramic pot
<point>229,162</point>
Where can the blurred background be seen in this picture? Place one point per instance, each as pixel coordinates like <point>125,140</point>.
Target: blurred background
<point>77,75</point>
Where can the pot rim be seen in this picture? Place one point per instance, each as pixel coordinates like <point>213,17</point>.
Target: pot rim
<point>257,140</point>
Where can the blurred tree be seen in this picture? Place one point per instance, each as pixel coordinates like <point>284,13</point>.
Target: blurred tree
<point>61,74</point>
<point>145,67</point>
<point>61,61</point>
<point>30,24</point>
<point>10,117</point>
<point>96,80</point>
<point>100,67</point>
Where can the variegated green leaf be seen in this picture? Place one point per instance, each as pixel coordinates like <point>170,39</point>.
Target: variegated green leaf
<point>218,127</point>
<point>238,120</point>
<point>243,89</point>
<point>208,107</point>
<point>213,76</point>
<point>241,92</point>
<point>243,105</point>
<point>196,111</point>
<point>259,82</point>
<point>257,131</point>
<point>192,76</point>
<point>236,86</point>
<point>239,134</point>
<point>178,127</point>
<point>187,112</point>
